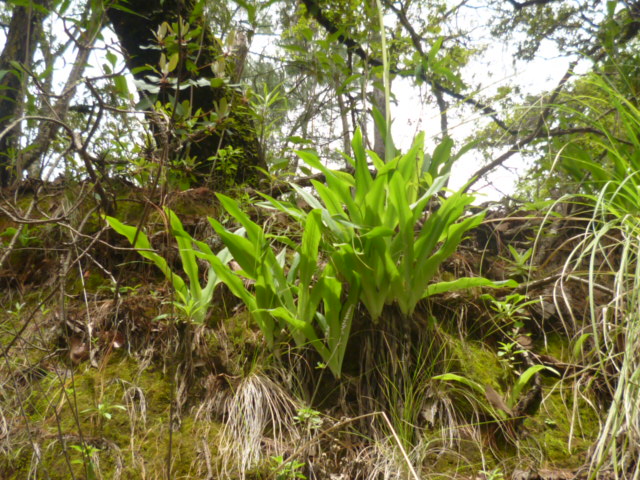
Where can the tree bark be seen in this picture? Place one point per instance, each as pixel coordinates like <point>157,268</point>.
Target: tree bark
<point>135,32</point>
<point>24,30</point>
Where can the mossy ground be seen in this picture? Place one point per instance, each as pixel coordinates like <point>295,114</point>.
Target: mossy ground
<point>120,413</point>
<point>128,412</point>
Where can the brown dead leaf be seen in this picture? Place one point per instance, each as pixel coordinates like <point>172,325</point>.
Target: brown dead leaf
<point>496,400</point>
<point>78,349</point>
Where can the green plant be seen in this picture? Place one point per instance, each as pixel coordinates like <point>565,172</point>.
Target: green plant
<point>123,289</point>
<point>508,352</point>
<point>495,474</point>
<point>17,311</point>
<point>405,393</point>
<point>104,410</point>
<point>286,470</point>
<point>613,180</point>
<point>482,391</point>
<point>610,187</point>
<point>225,162</point>
<point>24,236</point>
<point>359,243</point>
<point>288,296</point>
<point>518,263</point>
<point>375,230</point>
<point>268,110</point>
<point>192,300</point>
<point>309,418</point>
<point>88,452</point>
<point>510,311</point>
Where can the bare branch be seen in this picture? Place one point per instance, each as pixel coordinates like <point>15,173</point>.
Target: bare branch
<point>59,111</point>
<point>515,148</point>
<point>529,3</point>
<point>314,9</point>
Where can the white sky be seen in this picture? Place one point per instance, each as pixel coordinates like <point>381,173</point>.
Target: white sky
<point>496,68</point>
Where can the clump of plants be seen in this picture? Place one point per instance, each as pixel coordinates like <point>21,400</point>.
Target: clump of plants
<point>375,237</point>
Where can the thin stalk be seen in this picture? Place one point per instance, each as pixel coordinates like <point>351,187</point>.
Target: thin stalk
<point>387,85</point>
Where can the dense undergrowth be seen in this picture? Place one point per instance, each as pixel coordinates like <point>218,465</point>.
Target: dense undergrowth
<point>99,385</point>
<point>382,328</point>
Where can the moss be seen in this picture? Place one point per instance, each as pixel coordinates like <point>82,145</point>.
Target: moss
<point>97,410</point>
<point>556,346</point>
<point>475,361</point>
<point>558,436</point>
<point>563,431</point>
<point>95,281</point>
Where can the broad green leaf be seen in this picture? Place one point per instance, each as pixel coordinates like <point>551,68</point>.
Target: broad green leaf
<point>307,197</point>
<point>285,207</point>
<point>524,379</point>
<point>378,232</point>
<point>381,125</point>
<point>410,165</point>
<point>452,377</point>
<point>375,203</point>
<point>362,175</point>
<point>309,248</point>
<point>308,265</point>
<point>185,246</point>
<point>243,250</point>
<point>143,246</point>
<point>330,199</point>
<point>577,347</point>
<point>173,62</point>
<point>121,85</point>
<point>378,163</point>
<point>440,164</point>
<point>435,48</point>
<point>254,232</point>
<point>466,283</point>
<point>287,316</point>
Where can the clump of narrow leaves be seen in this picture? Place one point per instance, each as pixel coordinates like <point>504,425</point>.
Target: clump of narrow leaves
<point>366,239</point>
<point>375,231</point>
<point>301,295</point>
<point>193,300</point>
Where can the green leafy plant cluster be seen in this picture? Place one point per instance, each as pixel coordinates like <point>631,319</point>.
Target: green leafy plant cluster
<point>610,187</point>
<point>614,178</point>
<point>366,239</point>
<point>193,299</point>
<point>376,232</point>
<point>288,294</point>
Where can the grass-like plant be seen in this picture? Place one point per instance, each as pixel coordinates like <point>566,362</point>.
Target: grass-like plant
<point>607,166</point>
<point>376,230</point>
<point>193,300</point>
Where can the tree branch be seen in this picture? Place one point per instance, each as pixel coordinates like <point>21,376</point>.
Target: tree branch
<point>315,11</point>
<point>529,3</point>
<point>48,130</point>
<point>537,131</point>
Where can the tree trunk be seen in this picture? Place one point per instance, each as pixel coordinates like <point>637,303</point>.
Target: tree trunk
<point>198,58</point>
<point>24,29</point>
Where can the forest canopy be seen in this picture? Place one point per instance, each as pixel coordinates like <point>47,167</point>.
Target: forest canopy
<point>231,90</point>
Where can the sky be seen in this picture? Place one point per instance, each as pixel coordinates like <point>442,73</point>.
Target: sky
<point>534,78</point>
